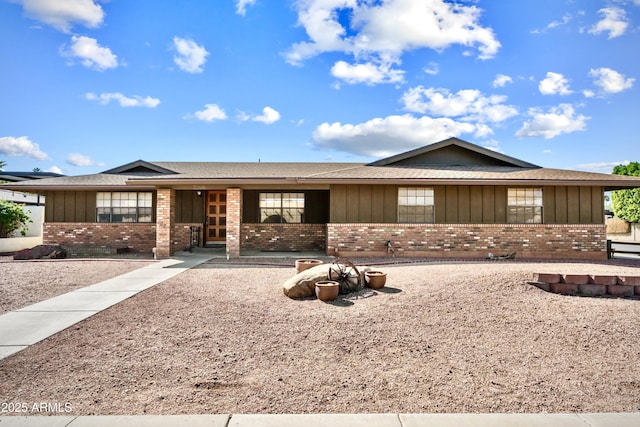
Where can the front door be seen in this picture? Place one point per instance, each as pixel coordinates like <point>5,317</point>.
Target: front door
<point>216,216</point>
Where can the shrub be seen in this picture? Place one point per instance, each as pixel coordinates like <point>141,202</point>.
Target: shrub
<point>626,203</point>
<point>12,218</point>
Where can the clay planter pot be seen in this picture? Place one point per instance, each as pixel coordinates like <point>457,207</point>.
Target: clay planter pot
<point>327,290</point>
<point>375,279</point>
<point>303,264</point>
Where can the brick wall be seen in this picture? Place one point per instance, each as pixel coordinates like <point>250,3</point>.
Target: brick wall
<point>88,238</point>
<point>182,234</point>
<point>165,219</point>
<point>469,240</point>
<point>234,220</point>
<point>283,237</point>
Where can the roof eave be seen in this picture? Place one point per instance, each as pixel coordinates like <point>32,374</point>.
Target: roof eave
<point>209,181</point>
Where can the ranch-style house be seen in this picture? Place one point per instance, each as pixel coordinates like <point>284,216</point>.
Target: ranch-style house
<point>447,199</point>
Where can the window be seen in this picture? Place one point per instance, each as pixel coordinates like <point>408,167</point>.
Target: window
<point>415,205</point>
<point>128,206</point>
<point>524,205</point>
<point>282,207</point>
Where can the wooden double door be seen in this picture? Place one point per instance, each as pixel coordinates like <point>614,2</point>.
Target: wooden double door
<point>216,216</point>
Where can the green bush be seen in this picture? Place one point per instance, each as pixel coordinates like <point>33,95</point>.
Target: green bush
<point>12,218</point>
<point>626,203</point>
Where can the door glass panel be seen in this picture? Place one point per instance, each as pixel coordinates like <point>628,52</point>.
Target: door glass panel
<point>212,210</point>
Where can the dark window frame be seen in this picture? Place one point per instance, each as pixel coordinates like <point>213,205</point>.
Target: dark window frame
<point>118,209</point>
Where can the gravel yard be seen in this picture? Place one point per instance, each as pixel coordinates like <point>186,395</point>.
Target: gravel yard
<point>26,282</point>
<point>441,337</point>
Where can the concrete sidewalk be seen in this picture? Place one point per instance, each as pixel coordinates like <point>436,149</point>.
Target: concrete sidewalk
<point>29,325</point>
<point>333,420</point>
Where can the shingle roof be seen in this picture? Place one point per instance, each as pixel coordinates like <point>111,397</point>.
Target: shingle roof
<point>327,173</point>
<point>410,167</point>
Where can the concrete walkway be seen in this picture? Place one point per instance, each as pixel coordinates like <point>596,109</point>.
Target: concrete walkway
<point>333,420</point>
<point>29,325</point>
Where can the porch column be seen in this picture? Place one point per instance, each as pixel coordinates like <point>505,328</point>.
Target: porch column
<point>234,219</point>
<point>165,218</point>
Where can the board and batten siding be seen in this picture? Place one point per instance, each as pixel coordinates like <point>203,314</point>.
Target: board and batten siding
<point>70,206</point>
<point>73,206</point>
<point>465,204</point>
<point>189,207</point>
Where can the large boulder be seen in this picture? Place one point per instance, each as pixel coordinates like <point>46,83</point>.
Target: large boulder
<point>303,284</point>
<point>41,251</point>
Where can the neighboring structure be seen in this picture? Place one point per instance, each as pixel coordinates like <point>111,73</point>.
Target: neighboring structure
<point>34,203</point>
<point>448,199</point>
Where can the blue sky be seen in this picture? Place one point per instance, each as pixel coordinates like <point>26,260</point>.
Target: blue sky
<point>88,85</point>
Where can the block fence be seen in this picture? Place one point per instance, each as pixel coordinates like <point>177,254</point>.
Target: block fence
<point>469,240</point>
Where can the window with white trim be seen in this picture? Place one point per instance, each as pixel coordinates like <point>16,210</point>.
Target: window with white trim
<point>125,206</point>
<point>415,205</point>
<point>282,207</point>
<point>524,205</point>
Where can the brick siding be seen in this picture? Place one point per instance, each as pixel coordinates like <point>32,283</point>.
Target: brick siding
<point>182,234</point>
<point>283,237</point>
<point>165,218</point>
<point>234,220</point>
<point>85,238</point>
<point>469,240</point>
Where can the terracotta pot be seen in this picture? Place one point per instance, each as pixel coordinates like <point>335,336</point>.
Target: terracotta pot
<point>327,290</point>
<point>303,264</point>
<point>375,279</point>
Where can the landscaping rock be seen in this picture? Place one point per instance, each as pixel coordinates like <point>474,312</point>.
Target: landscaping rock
<point>578,279</point>
<point>564,288</point>
<point>592,290</point>
<point>41,251</point>
<point>628,280</point>
<point>620,290</point>
<point>303,284</point>
<point>604,280</point>
<point>547,278</point>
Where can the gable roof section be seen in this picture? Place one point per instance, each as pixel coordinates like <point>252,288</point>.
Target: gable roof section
<point>140,167</point>
<point>452,152</point>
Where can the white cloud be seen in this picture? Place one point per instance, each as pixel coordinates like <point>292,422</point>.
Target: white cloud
<point>601,167</point>
<point>468,104</point>
<point>269,116</point>
<point>367,73</point>
<point>54,169</point>
<point>558,120</point>
<point>611,81</point>
<point>382,137</point>
<point>614,21</point>
<point>62,14</point>
<point>241,6</point>
<point>21,146</point>
<point>373,28</point>
<point>210,113</point>
<point>77,159</point>
<point>190,56</point>
<point>553,24</point>
<point>90,53</point>
<point>501,80</point>
<point>433,68</point>
<point>554,84</point>
<point>124,101</point>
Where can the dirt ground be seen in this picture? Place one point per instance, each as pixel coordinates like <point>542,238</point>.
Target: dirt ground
<point>440,337</point>
<point>26,282</point>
